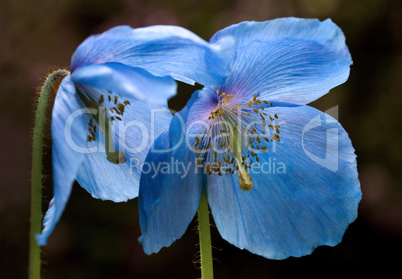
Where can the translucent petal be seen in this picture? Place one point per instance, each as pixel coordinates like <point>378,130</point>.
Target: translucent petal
<point>134,134</point>
<point>68,134</point>
<point>286,60</point>
<point>161,50</point>
<point>305,189</point>
<point>126,81</point>
<point>170,189</point>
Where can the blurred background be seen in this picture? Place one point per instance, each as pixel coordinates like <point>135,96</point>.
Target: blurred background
<point>96,239</point>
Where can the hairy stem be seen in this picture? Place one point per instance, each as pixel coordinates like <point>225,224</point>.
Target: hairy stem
<point>36,183</point>
<point>205,238</point>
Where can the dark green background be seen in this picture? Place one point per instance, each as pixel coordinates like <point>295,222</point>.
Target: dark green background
<point>96,239</point>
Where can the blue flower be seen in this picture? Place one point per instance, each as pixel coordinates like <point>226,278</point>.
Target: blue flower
<point>280,176</point>
<point>120,81</point>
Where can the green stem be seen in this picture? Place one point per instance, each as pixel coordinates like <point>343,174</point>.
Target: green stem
<point>36,184</point>
<point>207,271</point>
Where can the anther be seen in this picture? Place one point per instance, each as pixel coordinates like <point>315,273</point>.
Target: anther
<point>120,107</point>
<point>234,136</point>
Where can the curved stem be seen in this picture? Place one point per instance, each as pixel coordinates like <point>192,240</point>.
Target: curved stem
<point>36,183</point>
<point>207,271</point>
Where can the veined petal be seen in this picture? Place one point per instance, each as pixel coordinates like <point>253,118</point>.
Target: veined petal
<point>134,134</point>
<point>161,50</point>
<point>286,60</point>
<point>170,190</point>
<point>68,135</point>
<point>126,81</point>
<point>305,190</point>
<point>193,116</point>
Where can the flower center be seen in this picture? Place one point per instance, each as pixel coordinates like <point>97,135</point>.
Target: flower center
<point>108,109</point>
<point>237,132</point>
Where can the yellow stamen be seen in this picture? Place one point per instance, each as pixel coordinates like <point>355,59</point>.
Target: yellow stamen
<point>236,137</point>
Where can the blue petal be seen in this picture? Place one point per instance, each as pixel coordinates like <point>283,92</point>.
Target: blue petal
<point>126,81</point>
<point>170,189</point>
<point>160,50</point>
<point>68,135</point>
<point>133,135</point>
<point>305,194</point>
<point>286,60</point>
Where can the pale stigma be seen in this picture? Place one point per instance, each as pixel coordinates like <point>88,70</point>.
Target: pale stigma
<point>110,111</point>
<point>240,131</point>
<point>245,181</point>
<point>113,156</point>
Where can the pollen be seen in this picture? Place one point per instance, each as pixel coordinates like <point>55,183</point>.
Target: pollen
<point>90,138</point>
<point>239,132</point>
<point>198,163</point>
<point>121,107</point>
<point>109,110</point>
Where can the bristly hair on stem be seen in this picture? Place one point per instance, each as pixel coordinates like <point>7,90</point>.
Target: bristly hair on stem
<point>47,176</point>
<point>51,98</point>
<point>197,258</point>
<point>204,234</point>
<point>37,169</point>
